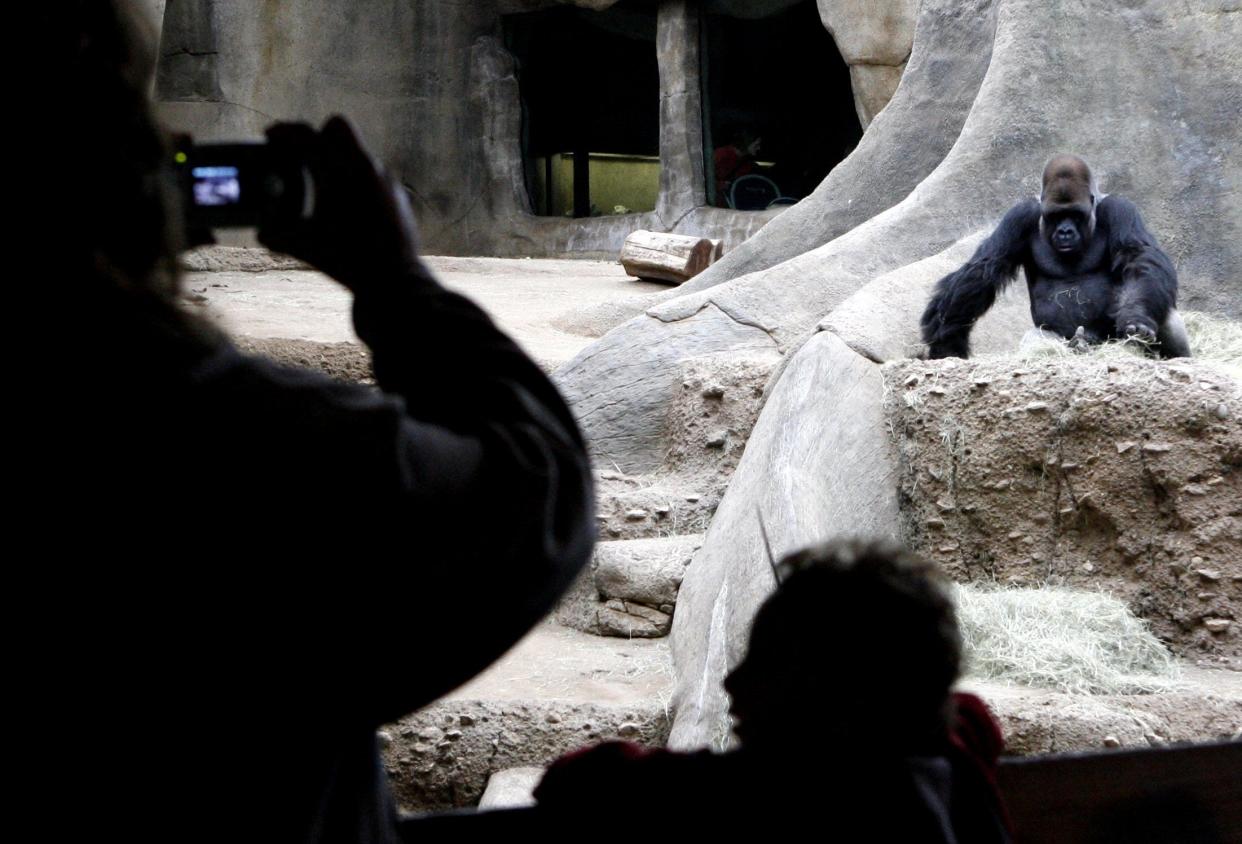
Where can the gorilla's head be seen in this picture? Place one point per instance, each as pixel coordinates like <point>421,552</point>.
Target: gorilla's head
<point>1067,203</point>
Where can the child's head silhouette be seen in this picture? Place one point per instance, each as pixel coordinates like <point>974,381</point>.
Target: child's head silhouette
<point>859,639</point>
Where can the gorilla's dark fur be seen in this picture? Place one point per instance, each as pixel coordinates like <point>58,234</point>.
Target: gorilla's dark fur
<point>1093,270</point>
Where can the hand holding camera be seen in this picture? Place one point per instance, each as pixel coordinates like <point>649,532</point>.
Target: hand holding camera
<point>318,196</point>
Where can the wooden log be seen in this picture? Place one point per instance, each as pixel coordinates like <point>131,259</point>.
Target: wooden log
<point>666,257</point>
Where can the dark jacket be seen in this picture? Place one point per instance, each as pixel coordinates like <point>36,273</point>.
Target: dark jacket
<point>805,789</point>
<point>237,571</point>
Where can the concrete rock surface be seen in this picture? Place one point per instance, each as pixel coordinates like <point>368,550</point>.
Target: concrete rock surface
<point>805,475</point>
<point>1115,475</point>
<point>880,320</point>
<point>630,587</point>
<point>556,691</point>
<point>1208,707</point>
<point>871,31</point>
<point>874,39</point>
<point>511,788</point>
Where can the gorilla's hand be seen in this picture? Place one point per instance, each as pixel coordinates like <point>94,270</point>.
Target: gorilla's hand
<point>1079,342</point>
<point>361,230</point>
<point>1138,329</point>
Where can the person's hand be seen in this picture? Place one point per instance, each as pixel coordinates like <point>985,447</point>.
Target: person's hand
<point>361,230</point>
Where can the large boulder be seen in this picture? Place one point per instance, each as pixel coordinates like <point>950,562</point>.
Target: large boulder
<point>804,475</point>
<point>1169,141</point>
<point>951,51</point>
<point>874,39</point>
<point>630,587</point>
<point>880,320</point>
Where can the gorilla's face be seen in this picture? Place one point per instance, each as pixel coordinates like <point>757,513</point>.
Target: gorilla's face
<point>1067,230</point>
<point>1067,203</point>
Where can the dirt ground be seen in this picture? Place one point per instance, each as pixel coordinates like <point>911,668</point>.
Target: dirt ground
<point>1120,476</point>
<point>278,301</point>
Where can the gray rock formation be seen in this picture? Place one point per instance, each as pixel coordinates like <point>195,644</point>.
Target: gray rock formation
<point>805,475</point>
<point>630,587</point>
<point>1207,707</point>
<point>1177,159</point>
<point>1115,475</point>
<point>511,788</point>
<point>1175,154</point>
<point>1111,474</point>
<point>436,94</point>
<point>880,320</point>
<point>874,39</point>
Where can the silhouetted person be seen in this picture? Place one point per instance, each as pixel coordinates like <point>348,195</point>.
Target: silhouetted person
<point>233,572</point>
<point>844,714</point>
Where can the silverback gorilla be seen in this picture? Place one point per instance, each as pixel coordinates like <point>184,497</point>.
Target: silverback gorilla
<point>1093,270</point>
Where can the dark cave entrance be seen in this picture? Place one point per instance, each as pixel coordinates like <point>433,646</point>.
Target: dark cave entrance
<point>590,89</point>
<point>780,78</point>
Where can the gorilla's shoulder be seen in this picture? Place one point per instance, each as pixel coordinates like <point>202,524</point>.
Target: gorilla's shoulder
<point>1114,207</point>
<point>1021,218</point>
<point>1119,218</point>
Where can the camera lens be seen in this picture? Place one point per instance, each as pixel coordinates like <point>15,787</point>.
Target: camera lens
<point>274,186</point>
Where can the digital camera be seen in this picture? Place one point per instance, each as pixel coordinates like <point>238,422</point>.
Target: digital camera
<point>241,185</point>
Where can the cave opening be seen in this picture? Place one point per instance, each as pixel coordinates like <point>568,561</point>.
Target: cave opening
<point>590,88</point>
<point>772,74</point>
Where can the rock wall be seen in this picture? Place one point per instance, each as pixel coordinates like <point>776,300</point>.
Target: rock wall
<point>1118,475</point>
<point>874,37</point>
<point>436,95</point>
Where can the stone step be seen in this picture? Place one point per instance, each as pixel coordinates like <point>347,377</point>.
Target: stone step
<point>630,587</point>
<point>1206,705</point>
<point>557,690</point>
<point>511,788</point>
<point>649,507</point>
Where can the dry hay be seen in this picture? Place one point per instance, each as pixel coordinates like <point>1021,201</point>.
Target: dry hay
<point>1213,340</point>
<point>1069,640</point>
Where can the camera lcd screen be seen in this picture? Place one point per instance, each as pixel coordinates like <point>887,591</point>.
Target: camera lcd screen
<point>214,186</point>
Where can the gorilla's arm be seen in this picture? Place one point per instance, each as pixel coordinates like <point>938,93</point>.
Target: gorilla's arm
<point>965,295</point>
<point>1148,280</point>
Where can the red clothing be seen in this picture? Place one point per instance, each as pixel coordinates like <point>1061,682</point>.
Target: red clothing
<point>731,164</point>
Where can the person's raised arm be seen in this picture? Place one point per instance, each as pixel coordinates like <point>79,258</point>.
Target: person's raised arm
<point>489,486</point>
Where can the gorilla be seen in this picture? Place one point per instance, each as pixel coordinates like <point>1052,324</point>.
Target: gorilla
<point>1093,270</point>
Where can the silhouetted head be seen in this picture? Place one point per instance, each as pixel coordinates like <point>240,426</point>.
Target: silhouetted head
<point>1067,203</point>
<point>108,207</point>
<point>858,646</point>
<point>114,213</point>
